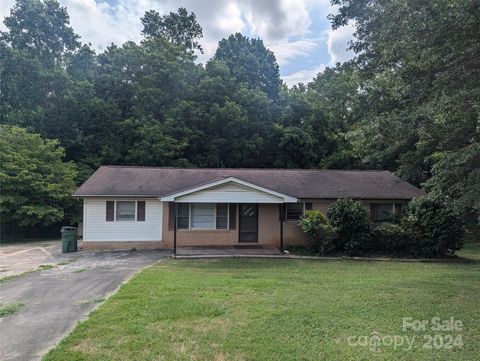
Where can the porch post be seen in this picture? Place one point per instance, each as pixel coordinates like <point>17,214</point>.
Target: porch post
<point>175,231</point>
<point>281,214</point>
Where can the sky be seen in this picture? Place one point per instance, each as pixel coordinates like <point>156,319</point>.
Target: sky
<point>297,31</point>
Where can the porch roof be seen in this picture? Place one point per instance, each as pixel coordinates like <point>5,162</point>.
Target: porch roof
<point>228,190</point>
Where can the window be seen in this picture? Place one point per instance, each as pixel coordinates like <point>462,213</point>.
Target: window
<point>203,215</point>
<point>140,211</point>
<point>222,216</point>
<point>125,211</point>
<point>183,216</point>
<point>294,211</point>
<point>381,211</point>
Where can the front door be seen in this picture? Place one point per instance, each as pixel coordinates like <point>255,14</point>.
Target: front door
<point>248,223</point>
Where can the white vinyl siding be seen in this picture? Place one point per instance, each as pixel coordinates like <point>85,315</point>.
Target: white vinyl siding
<point>229,193</point>
<point>96,228</point>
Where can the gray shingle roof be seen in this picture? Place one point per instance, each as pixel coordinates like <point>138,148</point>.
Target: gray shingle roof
<point>299,183</point>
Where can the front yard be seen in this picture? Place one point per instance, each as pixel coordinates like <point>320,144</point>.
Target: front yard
<point>258,309</point>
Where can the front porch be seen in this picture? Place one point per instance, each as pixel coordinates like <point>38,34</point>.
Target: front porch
<point>228,216</point>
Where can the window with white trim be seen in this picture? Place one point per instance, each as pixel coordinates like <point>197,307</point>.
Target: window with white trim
<point>125,211</point>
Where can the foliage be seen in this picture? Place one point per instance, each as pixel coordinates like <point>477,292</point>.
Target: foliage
<point>352,224</point>
<point>41,30</point>
<point>10,309</point>
<point>320,233</point>
<point>419,82</point>
<point>437,228</point>
<point>250,63</point>
<point>36,183</point>
<point>180,29</point>
<point>408,102</point>
<point>390,238</point>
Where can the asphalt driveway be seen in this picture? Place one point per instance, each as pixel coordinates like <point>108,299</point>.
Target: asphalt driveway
<point>55,299</point>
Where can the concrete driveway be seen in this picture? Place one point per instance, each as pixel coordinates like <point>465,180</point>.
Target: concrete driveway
<point>55,299</point>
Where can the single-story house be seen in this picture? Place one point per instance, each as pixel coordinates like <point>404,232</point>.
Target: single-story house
<point>151,207</point>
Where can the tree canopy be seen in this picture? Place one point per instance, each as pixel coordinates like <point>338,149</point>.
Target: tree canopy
<point>408,102</point>
<point>36,184</point>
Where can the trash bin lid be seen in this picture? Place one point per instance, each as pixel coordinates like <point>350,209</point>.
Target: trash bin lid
<point>69,228</point>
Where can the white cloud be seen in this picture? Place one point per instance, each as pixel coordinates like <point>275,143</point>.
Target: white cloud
<point>337,43</point>
<point>303,76</point>
<point>288,51</point>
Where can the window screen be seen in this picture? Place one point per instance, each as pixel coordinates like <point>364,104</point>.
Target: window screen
<point>222,216</point>
<point>125,211</point>
<point>203,215</point>
<point>294,211</point>
<point>183,216</point>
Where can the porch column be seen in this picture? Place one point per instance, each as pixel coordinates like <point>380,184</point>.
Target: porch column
<point>175,230</point>
<point>281,216</point>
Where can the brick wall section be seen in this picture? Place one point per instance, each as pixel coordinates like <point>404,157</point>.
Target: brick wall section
<point>192,238</point>
<point>268,231</point>
<point>268,224</point>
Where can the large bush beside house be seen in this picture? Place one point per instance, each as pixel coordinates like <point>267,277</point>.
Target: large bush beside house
<point>352,224</point>
<point>319,231</point>
<point>390,238</point>
<point>437,228</point>
<point>36,183</point>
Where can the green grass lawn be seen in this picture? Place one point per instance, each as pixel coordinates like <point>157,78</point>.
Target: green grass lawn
<point>254,309</point>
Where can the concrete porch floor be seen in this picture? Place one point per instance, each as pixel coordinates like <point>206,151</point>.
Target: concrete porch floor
<point>239,250</point>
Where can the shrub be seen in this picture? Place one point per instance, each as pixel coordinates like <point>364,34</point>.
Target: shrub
<point>317,229</point>
<point>390,238</point>
<point>436,226</point>
<point>352,224</point>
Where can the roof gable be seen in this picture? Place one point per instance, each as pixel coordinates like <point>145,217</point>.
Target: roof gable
<point>229,190</point>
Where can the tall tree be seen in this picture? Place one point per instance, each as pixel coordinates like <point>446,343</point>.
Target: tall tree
<point>250,63</point>
<point>36,183</point>
<point>179,28</point>
<point>420,77</point>
<point>41,29</point>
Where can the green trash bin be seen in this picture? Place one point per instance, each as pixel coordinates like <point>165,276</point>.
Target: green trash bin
<point>69,239</point>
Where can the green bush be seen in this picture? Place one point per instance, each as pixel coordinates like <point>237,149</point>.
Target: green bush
<point>320,233</point>
<point>352,224</point>
<point>437,228</point>
<point>390,238</point>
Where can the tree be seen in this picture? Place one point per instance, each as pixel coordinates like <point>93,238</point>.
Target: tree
<point>40,29</point>
<point>420,82</point>
<point>250,63</point>
<point>180,29</point>
<point>36,184</point>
